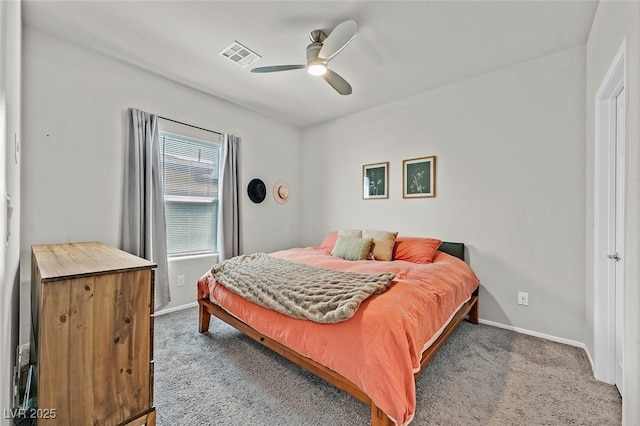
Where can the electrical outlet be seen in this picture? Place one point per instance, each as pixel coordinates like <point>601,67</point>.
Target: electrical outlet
<point>180,280</point>
<point>523,298</point>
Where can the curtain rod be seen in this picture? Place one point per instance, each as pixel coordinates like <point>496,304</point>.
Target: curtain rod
<point>190,125</point>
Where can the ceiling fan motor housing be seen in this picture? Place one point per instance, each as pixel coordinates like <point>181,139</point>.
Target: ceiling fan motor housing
<point>318,35</point>
<point>313,50</point>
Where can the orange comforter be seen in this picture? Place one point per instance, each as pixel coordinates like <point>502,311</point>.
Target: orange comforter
<point>380,348</point>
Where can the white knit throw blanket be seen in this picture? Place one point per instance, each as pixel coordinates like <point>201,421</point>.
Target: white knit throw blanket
<point>299,290</point>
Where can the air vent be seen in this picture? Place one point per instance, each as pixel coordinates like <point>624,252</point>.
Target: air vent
<point>240,54</point>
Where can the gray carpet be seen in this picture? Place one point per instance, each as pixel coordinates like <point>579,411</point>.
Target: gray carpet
<point>482,376</point>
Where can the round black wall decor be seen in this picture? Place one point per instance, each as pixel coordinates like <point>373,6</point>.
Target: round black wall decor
<point>257,190</point>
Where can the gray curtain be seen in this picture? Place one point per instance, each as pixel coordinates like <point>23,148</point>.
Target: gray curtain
<point>144,227</point>
<point>229,234</point>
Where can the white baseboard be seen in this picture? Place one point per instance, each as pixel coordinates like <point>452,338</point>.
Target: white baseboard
<point>175,309</point>
<point>536,334</point>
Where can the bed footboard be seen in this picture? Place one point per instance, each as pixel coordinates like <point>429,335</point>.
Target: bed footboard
<point>378,417</point>
<point>207,308</point>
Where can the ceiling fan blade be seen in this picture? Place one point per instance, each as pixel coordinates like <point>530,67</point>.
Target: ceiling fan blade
<point>339,38</point>
<point>276,68</point>
<point>337,82</point>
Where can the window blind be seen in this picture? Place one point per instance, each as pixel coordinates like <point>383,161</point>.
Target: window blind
<point>190,169</point>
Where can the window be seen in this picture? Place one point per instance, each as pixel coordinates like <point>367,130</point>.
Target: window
<point>190,171</point>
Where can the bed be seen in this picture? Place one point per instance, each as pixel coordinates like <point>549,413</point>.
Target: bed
<point>377,354</point>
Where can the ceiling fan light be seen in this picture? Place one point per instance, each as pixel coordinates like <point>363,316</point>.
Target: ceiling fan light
<point>317,68</point>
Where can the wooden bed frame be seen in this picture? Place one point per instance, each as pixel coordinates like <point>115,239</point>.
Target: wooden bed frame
<point>378,418</point>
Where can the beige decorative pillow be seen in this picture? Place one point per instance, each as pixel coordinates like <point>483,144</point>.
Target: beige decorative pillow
<point>355,233</point>
<point>351,248</point>
<point>383,243</point>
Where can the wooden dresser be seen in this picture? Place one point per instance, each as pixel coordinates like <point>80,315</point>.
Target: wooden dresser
<point>92,335</point>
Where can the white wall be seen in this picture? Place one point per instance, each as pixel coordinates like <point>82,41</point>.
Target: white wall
<point>510,183</point>
<point>615,21</point>
<point>10,46</point>
<point>75,104</point>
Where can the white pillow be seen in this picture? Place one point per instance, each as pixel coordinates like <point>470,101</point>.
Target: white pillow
<point>355,233</point>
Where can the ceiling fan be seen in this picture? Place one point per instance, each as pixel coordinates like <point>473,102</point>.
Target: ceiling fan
<point>322,49</point>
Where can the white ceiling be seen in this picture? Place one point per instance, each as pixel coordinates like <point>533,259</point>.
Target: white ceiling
<point>403,47</point>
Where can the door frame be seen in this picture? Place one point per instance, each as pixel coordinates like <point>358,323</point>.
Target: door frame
<point>615,80</point>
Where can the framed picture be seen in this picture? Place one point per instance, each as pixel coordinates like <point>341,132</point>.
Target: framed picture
<point>419,177</point>
<point>375,178</point>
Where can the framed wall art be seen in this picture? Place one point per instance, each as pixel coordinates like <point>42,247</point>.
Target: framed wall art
<point>419,177</point>
<point>375,181</point>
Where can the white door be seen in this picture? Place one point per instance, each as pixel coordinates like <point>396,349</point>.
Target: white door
<point>609,221</point>
<point>618,231</point>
